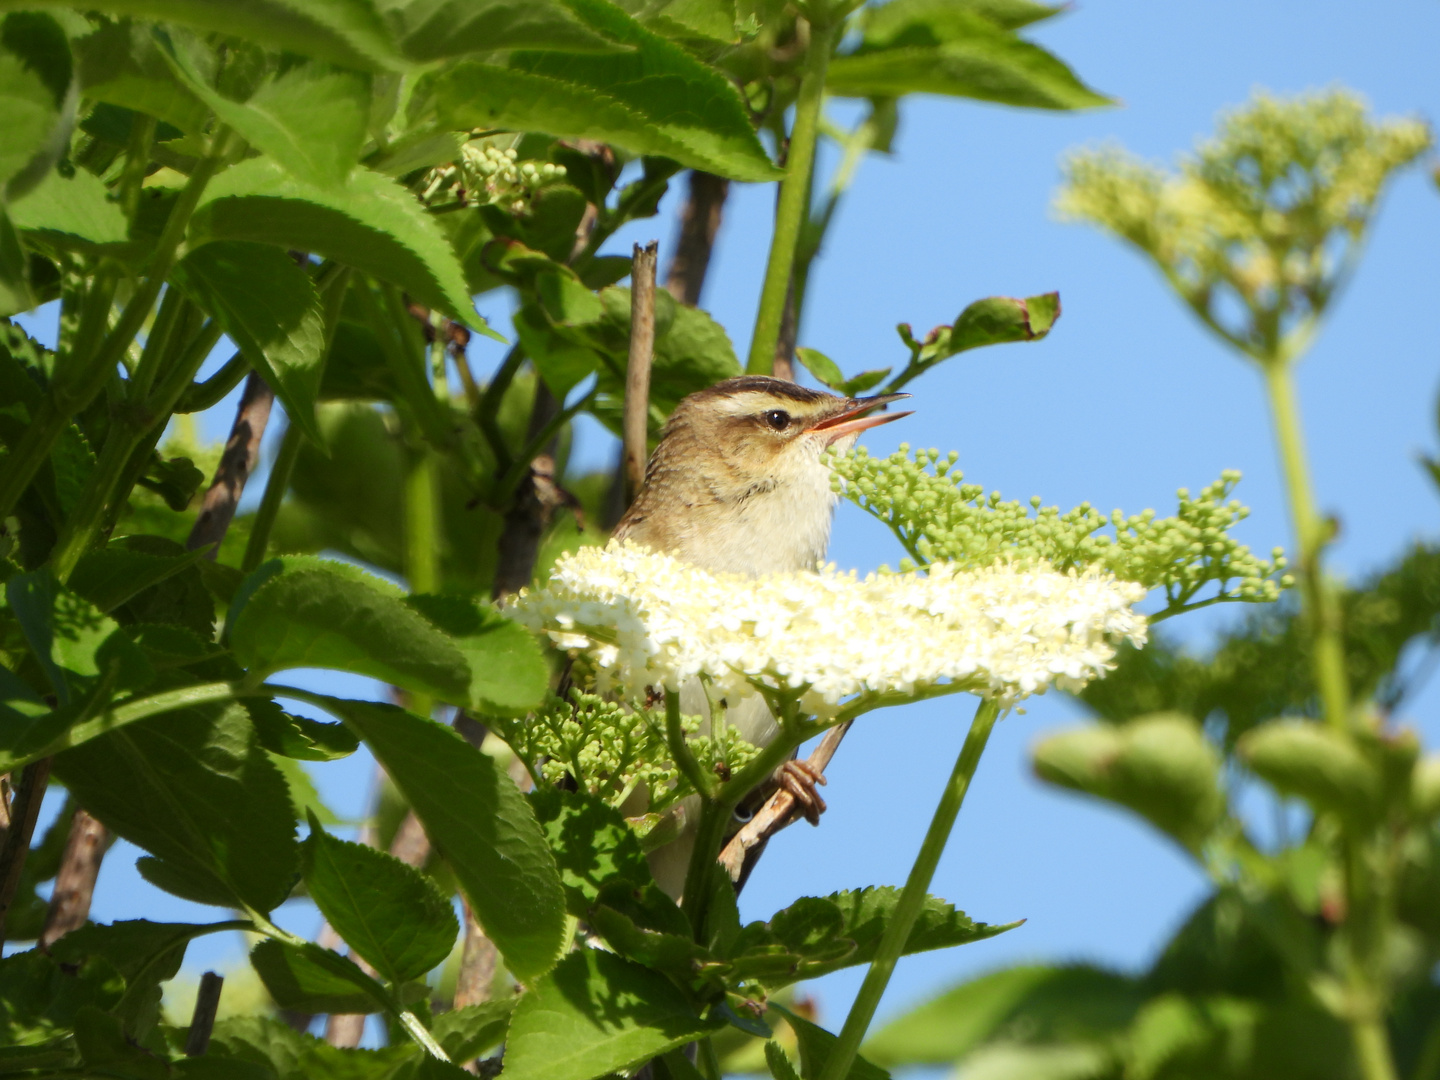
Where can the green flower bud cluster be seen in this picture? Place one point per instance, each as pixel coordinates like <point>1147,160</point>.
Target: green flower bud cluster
<point>611,749</point>
<point>1269,212</point>
<point>489,175</point>
<point>937,516</point>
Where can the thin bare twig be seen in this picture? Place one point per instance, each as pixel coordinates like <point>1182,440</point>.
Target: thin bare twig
<point>636,424</point>
<point>778,812</point>
<point>202,1020</point>
<point>75,882</point>
<point>699,225</point>
<point>15,844</point>
<point>784,364</point>
<point>242,451</point>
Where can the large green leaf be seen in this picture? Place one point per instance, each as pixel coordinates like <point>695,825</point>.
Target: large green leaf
<point>372,224</point>
<point>122,64</point>
<point>116,573</point>
<point>1040,1004</point>
<point>654,98</point>
<point>480,822</point>
<point>15,294</point>
<point>306,612</point>
<point>346,32</point>
<point>37,98</point>
<point>962,54</point>
<point>309,118</point>
<point>1159,766</point>
<point>75,645</point>
<point>470,1030</point>
<point>79,208</point>
<point>597,1013</point>
<point>432,29</point>
<point>270,308</point>
<point>273,1045</point>
<point>308,978</point>
<point>817,935</point>
<point>389,913</point>
<point>195,790</point>
<point>39,998</point>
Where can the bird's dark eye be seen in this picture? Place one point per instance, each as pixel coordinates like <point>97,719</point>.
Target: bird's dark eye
<point>778,419</point>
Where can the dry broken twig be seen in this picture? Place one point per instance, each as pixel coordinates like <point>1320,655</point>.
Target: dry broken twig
<point>637,370</point>
<point>779,810</point>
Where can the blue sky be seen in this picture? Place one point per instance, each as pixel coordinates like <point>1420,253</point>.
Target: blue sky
<point>1127,400</point>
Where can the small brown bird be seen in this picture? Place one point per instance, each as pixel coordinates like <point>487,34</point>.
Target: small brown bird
<point>738,484</point>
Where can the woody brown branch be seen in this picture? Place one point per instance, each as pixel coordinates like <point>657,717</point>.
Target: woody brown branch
<point>75,881</point>
<point>242,452</point>
<point>20,815</point>
<point>636,424</point>
<point>699,225</point>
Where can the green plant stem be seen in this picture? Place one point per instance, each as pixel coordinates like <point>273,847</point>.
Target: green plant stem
<point>917,887</point>
<point>792,211</point>
<point>487,414</point>
<point>704,784</point>
<point>1362,930</point>
<point>84,374</point>
<point>1311,535</point>
<point>275,488</point>
<point>85,520</point>
<point>422,553</point>
<point>202,395</point>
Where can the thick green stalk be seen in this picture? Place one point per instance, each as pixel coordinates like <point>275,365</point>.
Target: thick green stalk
<point>1311,535</point>
<point>792,211</point>
<point>275,487</point>
<point>1363,929</point>
<point>917,887</point>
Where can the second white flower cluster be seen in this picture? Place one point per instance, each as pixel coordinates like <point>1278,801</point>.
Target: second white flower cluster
<point>1002,632</point>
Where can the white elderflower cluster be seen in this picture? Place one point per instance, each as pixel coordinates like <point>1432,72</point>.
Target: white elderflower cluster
<point>1005,631</point>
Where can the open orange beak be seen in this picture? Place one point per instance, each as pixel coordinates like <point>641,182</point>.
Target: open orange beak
<point>861,416</point>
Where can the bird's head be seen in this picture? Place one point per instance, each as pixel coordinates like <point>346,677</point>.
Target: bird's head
<point>769,427</point>
<point>738,481</point>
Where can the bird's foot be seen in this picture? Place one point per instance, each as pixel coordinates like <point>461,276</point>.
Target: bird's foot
<point>799,779</point>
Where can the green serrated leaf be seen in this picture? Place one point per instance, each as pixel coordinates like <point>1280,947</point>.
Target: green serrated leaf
<point>344,32</point>
<point>779,1063</point>
<point>593,845</point>
<point>467,1032</point>
<point>309,118</point>
<point>825,934</point>
<point>193,788</point>
<point>594,1014</point>
<point>78,206</point>
<point>433,29</point>
<point>372,224</point>
<point>109,576</point>
<point>74,643</point>
<point>653,98</point>
<point>122,64</point>
<point>480,822</point>
<point>307,612</point>
<point>389,913</point>
<point>310,979</point>
<point>270,308</point>
<point>37,99</point>
<point>816,1045</point>
<point>39,999</point>
<point>962,54</point>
